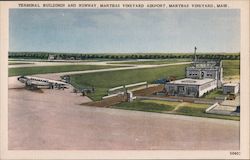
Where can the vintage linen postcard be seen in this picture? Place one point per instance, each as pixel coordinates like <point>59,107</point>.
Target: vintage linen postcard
<point>124,79</point>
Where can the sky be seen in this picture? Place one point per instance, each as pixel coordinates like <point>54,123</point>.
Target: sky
<point>124,31</point>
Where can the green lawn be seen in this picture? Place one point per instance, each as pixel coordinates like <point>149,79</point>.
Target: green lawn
<point>214,93</point>
<point>18,63</point>
<point>58,61</point>
<point>200,112</point>
<point>181,108</point>
<point>156,62</point>
<point>53,69</point>
<point>104,80</point>
<point>231,68</point>
<point>144,106</point>
<point>175,104</point>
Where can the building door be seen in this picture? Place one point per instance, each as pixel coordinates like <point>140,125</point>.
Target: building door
<point>181,90</point>
<point>202,75</point>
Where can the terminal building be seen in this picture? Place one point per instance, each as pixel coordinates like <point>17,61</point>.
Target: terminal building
<point>206,69</point>
<point>190,87</point>
<point>201,77</point>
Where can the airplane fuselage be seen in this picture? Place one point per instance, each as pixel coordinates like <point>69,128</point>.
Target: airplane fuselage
<point>37,82</point>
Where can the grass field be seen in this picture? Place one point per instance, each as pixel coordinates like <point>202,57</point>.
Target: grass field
<point>213,94</point>
<point>145,106</point>
<point>53,69</point>
<point>156,62</point>
<point>105,80</point>
<point>45,60</point>
<point>181,108</point>
<point>231,68</point>
<point>19,63</point>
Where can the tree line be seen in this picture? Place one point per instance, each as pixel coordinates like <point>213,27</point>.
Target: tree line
<point>64,56</point>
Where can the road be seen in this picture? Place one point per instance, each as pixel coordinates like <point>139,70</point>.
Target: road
<point>58,63</point>
<point>56,76</point>
<point>36,63</point>
<point>55,120</point>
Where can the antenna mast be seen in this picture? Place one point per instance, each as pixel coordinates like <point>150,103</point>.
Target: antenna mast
<point>195,54</point>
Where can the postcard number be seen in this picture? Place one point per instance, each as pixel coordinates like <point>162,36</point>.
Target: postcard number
<point>235,153</point>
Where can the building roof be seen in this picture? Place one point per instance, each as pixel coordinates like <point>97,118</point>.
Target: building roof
<point>206,64</point>
<point>230,84</point>
<point>189,81</point>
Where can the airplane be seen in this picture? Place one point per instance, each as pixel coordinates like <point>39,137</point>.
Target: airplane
<point>37,82</point>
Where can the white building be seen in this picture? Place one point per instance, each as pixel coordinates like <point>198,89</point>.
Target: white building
<point>51,57</point>
<point>190,87</point>
<point>206,69</point>
<point>202,77</point>
<point>231,88</point>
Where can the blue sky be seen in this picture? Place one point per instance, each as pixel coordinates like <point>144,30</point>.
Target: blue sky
<point>124,31</point>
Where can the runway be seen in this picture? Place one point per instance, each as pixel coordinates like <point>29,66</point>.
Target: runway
<point>55,120</point>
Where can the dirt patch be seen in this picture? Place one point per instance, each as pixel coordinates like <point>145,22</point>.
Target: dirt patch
<point>121,98</point>
<point>148,91</point>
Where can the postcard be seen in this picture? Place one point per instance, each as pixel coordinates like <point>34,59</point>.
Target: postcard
<point>124,79</point>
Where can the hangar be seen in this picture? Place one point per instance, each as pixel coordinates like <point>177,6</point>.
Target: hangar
<point>190,87</point>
